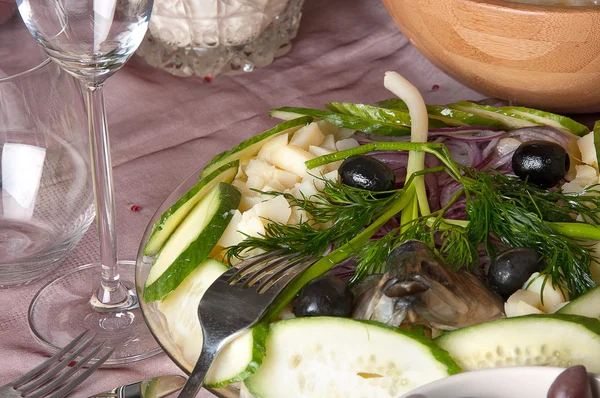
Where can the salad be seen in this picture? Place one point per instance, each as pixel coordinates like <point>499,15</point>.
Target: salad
<point>450,238</point>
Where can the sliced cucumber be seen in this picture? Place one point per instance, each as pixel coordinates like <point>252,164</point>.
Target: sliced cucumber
<point>596,133</point>
<point>367,126</point>
<point>240,359</point>
<point>508,120</point>
<point>452,117</point>
<point>192,241</point>
<point>284,115</point>
<point>562,123</point>
<point>251,146</point>
<point>370,112</point>
<point>547,340</point>
<point>180,309</point>
<point>585,305</point>
<point>170,219</point>
<point>339,357</point>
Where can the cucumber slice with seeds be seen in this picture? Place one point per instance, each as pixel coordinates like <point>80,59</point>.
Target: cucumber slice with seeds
<point>192,241</point>
<point>339,357</point>
<point>533,340</point>
<point>251,146</point>
<point>170,219</point>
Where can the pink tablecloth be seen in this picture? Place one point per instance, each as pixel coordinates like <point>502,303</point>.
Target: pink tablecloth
<point>163,128</point>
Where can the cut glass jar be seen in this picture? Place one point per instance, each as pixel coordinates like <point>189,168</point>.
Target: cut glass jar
<point>212,37</point>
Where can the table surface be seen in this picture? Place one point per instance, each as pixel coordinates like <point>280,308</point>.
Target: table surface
<point>163,128</point>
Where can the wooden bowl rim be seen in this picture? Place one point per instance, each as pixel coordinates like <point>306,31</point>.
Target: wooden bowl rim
<point>533,8</point>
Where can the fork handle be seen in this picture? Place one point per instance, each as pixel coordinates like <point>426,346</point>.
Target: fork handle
<point>196,379</point>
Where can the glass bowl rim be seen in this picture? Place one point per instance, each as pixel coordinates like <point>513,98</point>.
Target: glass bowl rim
<point>29,71</point>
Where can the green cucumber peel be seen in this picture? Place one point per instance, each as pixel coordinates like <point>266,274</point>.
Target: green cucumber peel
<point>596,132</point>
<point>559,122</point>
<point>251,146</point>
<point>367,126</point>
<point>508,120</point>
<point>370,112</point>
<point>588,304</point>
<point>199,249</point>
<point>259,338</point>
<point>174,214</point>
<point>451,117</point>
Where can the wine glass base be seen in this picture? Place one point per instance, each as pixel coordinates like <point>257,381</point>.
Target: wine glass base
<point>61,311</point>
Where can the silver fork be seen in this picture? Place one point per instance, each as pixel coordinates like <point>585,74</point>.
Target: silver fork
<point>238,300</point>
<point>47,380</point>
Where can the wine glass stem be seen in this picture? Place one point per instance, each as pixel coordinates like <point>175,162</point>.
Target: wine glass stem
<point>111,292</point>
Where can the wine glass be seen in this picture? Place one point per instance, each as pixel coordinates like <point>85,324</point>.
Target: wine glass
<point>91,40</point>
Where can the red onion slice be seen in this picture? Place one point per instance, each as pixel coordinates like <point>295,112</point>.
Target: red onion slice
<point>542,133</point>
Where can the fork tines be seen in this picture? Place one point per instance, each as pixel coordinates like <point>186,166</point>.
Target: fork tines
<point>265,270</point>
<point>57,376</point>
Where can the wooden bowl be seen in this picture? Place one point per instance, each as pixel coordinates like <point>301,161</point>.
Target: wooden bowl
<point>545,57</point>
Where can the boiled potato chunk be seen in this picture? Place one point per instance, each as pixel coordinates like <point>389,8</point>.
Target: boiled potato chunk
<point>329,143</point>
<point>276,209</point>
<point>523,302</point>
<point>291,158</point>
<point>347,143</point>
<point>588,150</point>
<point>272,145</point>
<point>307,136</point>
<point>286,178</point>
<point>552,296</point>
<point>232,236</point>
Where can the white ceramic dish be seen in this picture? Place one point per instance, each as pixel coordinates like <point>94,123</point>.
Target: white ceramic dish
<point>515,382</point>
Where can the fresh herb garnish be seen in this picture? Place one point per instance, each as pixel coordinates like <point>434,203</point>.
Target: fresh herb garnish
<point>338,213</point>
<point>497,206</point>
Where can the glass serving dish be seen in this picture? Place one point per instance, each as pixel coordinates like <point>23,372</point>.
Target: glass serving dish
<point>153,318</point>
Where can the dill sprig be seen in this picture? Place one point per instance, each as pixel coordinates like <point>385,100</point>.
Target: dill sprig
<point>518,219</point>
<point>334,215</point>
<point>447,239</point>
<point>552,206</point>
<point>497,206</point>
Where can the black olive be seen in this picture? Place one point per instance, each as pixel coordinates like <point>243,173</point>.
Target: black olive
<point>542,163</point>
<point>367,173</point>
<point>571,383</point>
<point>511,269</point>
<point>326,295</point>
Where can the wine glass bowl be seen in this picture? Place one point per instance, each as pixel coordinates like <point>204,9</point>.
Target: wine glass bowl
<point>89,39</point>
<point>46,201</point>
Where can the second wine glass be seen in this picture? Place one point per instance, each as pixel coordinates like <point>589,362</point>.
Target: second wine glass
<point>91,40</point>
